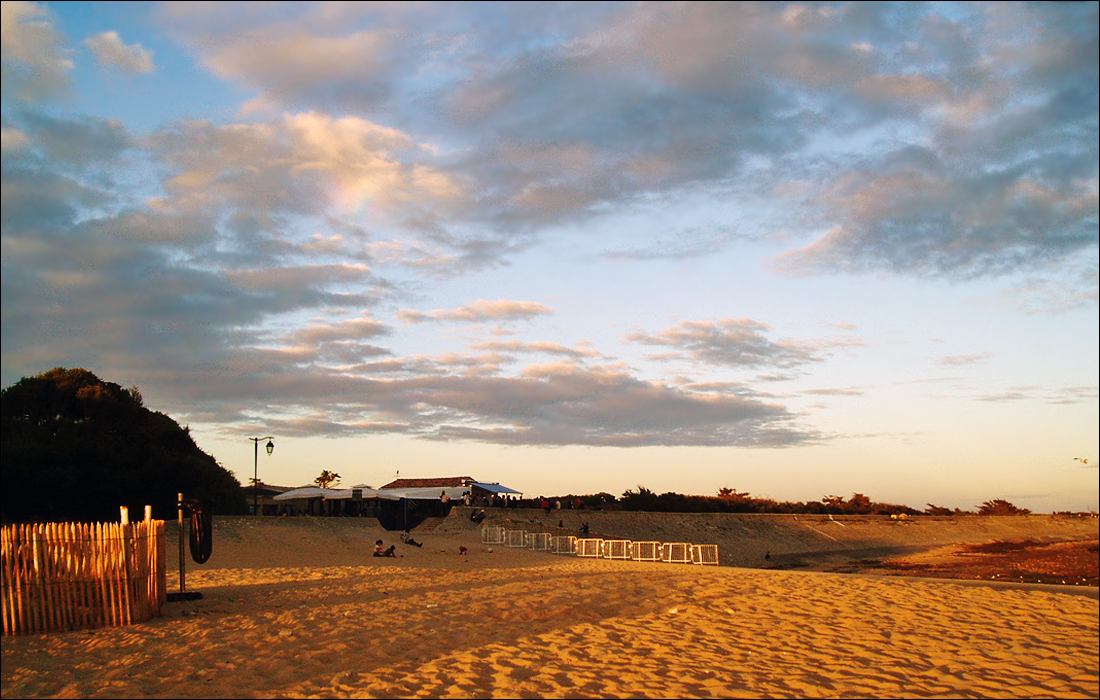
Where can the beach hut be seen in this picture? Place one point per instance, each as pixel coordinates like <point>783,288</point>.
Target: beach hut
<point>455,488</point>
<point>434,496</point>
<point>263,495</point>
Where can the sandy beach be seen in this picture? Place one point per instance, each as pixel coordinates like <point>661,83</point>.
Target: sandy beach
<point>300,609</point>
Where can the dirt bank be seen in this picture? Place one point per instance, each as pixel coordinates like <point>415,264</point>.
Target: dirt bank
<point>792,541</point>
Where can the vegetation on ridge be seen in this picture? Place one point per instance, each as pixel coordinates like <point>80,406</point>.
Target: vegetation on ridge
<point>75,447</point>
<point>732,501</point>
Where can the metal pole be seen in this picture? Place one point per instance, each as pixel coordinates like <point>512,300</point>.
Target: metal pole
<point>256,470</point>
<point>183,585</point>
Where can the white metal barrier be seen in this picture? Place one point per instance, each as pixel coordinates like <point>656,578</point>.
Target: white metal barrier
<point>646,551</point>
<point>589,547</point>
<point>538,541</point>
<point>705,554</point>
<point>595,547</point>
<point>492,534</point>
<point>515,538</point>
<point>616,549</point>
<point>563,544</point>
<point>676,552</point>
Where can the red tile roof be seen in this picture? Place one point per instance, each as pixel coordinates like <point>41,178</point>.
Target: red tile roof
<point>440,481</point>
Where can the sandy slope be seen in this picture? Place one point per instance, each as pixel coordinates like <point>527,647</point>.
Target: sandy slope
<point>794,541</point>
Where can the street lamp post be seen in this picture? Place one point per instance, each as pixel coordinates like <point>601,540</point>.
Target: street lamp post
<point>256,468</point>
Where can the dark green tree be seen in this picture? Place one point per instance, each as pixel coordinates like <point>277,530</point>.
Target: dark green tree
<point>999,506</point>
<point>75,447</point>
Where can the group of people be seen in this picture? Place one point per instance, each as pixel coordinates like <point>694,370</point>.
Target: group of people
<point>380,549</point>
<point>506,501</point>
<point>512,502</point>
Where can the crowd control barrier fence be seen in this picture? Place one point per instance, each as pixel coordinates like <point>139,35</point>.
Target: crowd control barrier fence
<point>598,548</point>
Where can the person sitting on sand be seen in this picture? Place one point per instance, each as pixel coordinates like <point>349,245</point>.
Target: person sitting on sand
<point>407,539</point>
<point>379,552</point>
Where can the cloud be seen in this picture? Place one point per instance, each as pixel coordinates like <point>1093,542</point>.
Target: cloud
<point>727,342</point>
<point>110,52</point>
<point>1072,394</point>
<point>479,311</point>
<point>304,164</point>
<point>1065,286</point>
<point>608,408</point>
<point>845,391</point>
<point>515,346</point>
<point>35,59</point>
<point>960,360</point>
<point>81,142</point>
<point>351,329</point>
<point>1056,396</point>
<point>1008,395</point>
<point>286,65</point>
<point>1002,179</point>
<point>122,294</point>
<point>42,198</point>
<point>12,139</point>
<point>939,145</point>
<point>237,265</point>
<point>457,396</point>
<point>692,242</point>
<point>965,224</point>
<point>597,406</point>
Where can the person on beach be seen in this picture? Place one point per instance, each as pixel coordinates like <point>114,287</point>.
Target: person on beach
<point>379,550</point>
<point>584,528</point>
<point>407,539</point>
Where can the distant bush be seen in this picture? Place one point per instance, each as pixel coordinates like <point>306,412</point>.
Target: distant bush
<point>732,501</point>
<point>999,506</point>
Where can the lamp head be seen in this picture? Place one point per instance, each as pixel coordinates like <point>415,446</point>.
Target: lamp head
<point>270,447</point>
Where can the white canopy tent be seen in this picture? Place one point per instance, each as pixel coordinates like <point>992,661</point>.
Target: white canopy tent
<point>305,492</point>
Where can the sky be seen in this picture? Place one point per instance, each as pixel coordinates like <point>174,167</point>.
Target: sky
<point>794,250</point>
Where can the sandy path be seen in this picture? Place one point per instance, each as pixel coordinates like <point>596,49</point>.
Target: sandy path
<point>525,624</point>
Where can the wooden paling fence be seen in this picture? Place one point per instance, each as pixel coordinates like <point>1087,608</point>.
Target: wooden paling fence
<point>65,576</point>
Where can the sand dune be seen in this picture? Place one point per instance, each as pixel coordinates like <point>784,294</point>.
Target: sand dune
<point>298,608</point>
<point>797,541</point>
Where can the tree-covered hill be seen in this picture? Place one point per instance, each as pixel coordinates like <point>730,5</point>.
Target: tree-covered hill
<point>75,447</point>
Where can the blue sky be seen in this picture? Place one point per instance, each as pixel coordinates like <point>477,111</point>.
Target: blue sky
<point>796,250</point>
